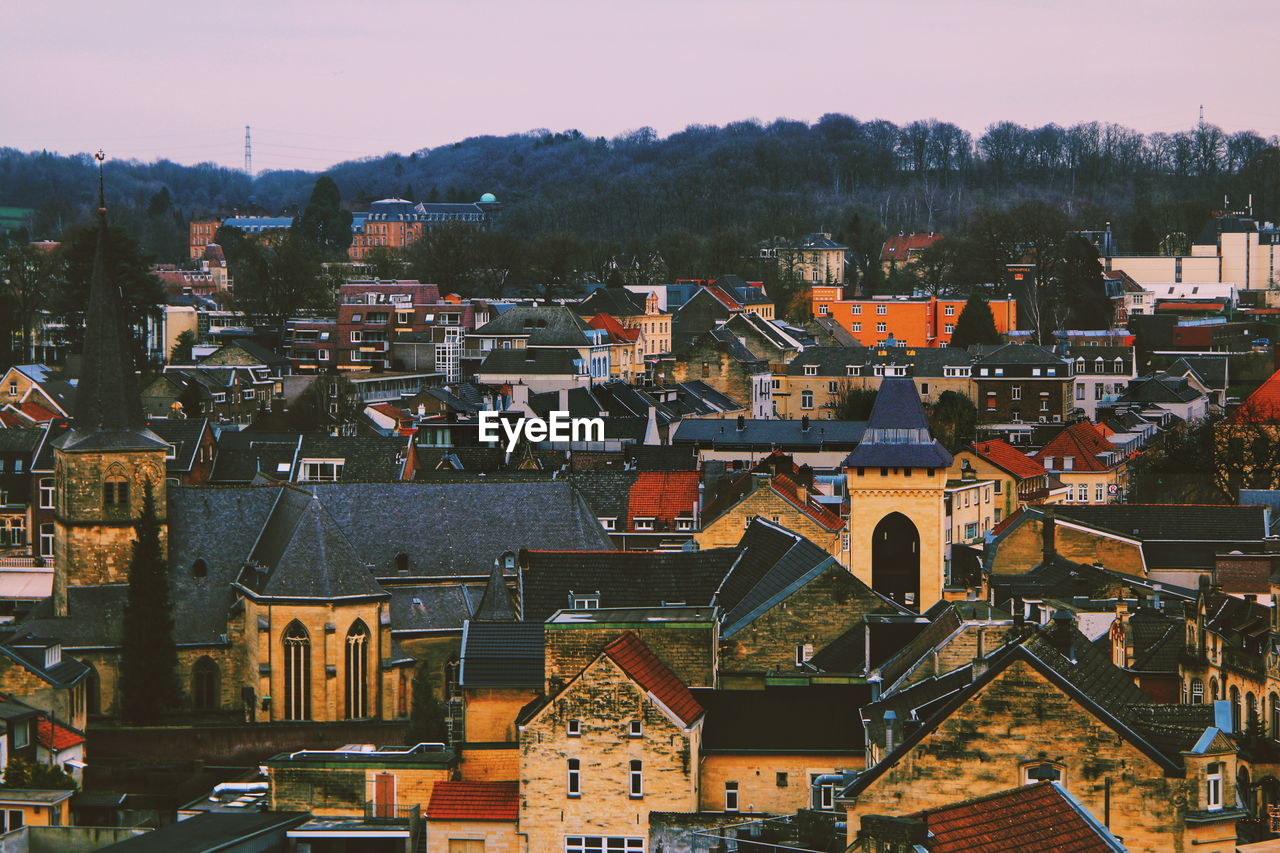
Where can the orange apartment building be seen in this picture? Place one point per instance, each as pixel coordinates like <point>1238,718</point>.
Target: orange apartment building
<point>926,321</point>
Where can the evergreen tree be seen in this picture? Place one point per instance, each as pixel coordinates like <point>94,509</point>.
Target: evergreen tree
<point>25,773</point>
<point>149,659</point>
<point>426,717</point>
<point>976,325</point>
<point>323,222</point>
<point>953,420</point>
<point>182,347</point>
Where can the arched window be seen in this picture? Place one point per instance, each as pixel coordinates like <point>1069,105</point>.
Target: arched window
<point>93,692</point>
<point>297,672</point>
<point>357,660</point>
<point>1041,771</point>
<point>1250,711</point>
<point>115,491</point>
<point>1235,708</point>
<point>1213,689</point>
<point>204,685</point>
<point>199,569</point>
<point>402,562</point>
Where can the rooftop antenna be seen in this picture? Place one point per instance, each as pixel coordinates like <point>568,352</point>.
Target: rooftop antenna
<point>1201,114</point>
<point>248,153</point>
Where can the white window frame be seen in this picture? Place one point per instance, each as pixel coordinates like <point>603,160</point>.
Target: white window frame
<point>635,779</point>
<point>1213,786</point>
<point>573,778</point>
<point>731,796</point>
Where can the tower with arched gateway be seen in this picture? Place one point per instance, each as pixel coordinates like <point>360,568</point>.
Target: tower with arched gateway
<point>896,480</point>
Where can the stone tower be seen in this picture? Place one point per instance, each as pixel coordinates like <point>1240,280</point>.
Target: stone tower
<point>896,479</point>
<point>104,462</point>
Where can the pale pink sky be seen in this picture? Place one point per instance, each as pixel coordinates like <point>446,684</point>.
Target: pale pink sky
<point>324,81</point>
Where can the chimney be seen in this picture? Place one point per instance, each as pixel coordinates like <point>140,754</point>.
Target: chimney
<point>562,399</point>
<point>742,423</point>
<point>979,667</point>
<point>891,739</point>
<point>877,686</point>
<point>1019,613</point>
<point>1156,589</point>
<point>804,423</point>
<point>1064,638</point>
<point>1049,534</point>
<point>802,493</point>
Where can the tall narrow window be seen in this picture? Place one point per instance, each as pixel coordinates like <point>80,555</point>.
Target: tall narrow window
<point>204,685</point>
<point>115,491</point>
<point>297,673</point>
<point>357,671</point>
<point>1213,787</point>
<point>636,788</point>
<point>731,796</point>
<point>574,787</point>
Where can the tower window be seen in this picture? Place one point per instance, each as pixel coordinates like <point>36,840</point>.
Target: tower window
<point>115,491</point>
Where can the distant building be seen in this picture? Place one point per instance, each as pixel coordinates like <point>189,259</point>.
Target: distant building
<point>814,259</point>
<point>909,321</point>
<point>905,249</point>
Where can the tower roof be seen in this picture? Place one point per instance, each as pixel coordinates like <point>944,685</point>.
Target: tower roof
<point>495,604</point>
<point>898,432</point>
<point>108,409</point>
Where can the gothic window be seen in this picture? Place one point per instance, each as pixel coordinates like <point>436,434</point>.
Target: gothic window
<point>297,672</point>
<point>204,685</point>
<point>93,693</point>
<point>357,660</point>
<point>115,491</point>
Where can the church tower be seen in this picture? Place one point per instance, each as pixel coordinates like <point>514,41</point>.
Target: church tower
<point>896,480</point>
<point>106,460</point>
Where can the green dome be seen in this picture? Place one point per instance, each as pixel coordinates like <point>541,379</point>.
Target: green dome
<point>488,198</point>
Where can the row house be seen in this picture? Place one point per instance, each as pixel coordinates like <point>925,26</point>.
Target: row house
<point>222,394</point>
<point>910,321</point>
<point>1016,385</point>
<point>1101,374</point>
<point>817,380</point>
<point>546,346</point>
<point>33,394</point>
<point>626,348</point>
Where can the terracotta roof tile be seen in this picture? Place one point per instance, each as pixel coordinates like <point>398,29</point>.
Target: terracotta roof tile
<point>789,489</point>
<point>898,248</point>
<point>474,801</point>
<point>1004,455</point>
<point>1080,442</point>
<point>1031,817</point>
<point>663,496</point>
<point>611,325</point>
<point>55,737</point>
<point>723,297</point>
<point>641,665</point>
<point>1263,405</point>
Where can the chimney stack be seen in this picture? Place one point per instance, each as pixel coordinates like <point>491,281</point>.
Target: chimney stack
<point>891,739</point>
<point>804,424</point>
<point>1063,636</point>
<point>742,423</point>
<point>1049,534</point>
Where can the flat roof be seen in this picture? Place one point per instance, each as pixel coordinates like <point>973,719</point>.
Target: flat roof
<point>632,615</point>
<point>33,795</point>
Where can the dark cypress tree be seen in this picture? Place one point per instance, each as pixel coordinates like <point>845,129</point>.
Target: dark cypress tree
<point>975,325</point>
<point>323,222</point>
<point>149,664</point>
<point>426,717</point>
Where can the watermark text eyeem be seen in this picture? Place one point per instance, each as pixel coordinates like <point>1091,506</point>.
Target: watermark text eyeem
<point>558,427</point>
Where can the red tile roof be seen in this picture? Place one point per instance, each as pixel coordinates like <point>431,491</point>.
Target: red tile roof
<point>1031,817</point>
<point>1263,405</point>
<point>641,665</point>
<point>55,737</point>
<point>900,247</point>
<point>474,801</point>
<point>724,298</point>
<point>611,325</point>
<point>789,489</point>
<point>1083,443</point>
<point>38,413</point>
<point>663,496</point>
<point>1004,455</point>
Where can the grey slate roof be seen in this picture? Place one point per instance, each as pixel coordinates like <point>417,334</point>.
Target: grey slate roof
<point>898,432</point>
<point>367,458</point>
<point>617,301</point>
<point>432,607</point>
<point>748,720</point>
<point>502,654</point>
<point>21,439</point>
<point>1212,370</point>
<point>184,434</point>
<point>835,361</point>
<point>306,555</point>
<point>768,433</point>
<point>540,362</point>
<point>1160,388</point>
<point>544,325</point>
<point>799,561</point>
<point>1019,354</point>
<point>1171,521</point>
<point>495,605</point>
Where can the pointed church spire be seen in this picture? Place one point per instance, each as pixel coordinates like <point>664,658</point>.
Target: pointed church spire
<point>495,604</point>
<point>107,399</point>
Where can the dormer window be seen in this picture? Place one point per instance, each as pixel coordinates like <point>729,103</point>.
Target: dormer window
<point>684,524</point>
<point>609,523</point>
<point>586,601</point>
<point>853,370</point>
<point>644,523</point>
<point>52,655</point>
<point>811,370</point>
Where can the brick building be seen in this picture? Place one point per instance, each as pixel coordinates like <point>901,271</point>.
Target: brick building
<point>903,320</point>
<point>1020,384</point>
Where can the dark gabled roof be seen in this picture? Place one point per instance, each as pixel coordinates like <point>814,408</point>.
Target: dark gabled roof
<point>663,457</point>
<point>306,555</point>
<point>544,325</point>
<point>622,578</point>
<point>502,654</point>
<point>897,432</point>
<point>184,434</point>
<point>815,719</point>
<point>1019,354</point>
<point>848,653</point>
<point>1160,388</point>
<point>249,346</point>
<point>769,433</point>
<point>701,399</point>
<point>606,492</point>
<point>28,649</point>
<point>1172,521</point>
<point>541,362</point>
<point>242,455</point>
<point>366,458</point>
<point>732,346</point>
<point>617,301</point>
<point>943,626</point>
<point>21,439</point>
<point>1211,370</point>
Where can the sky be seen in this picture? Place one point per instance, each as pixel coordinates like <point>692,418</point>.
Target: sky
<point>320,82</point>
